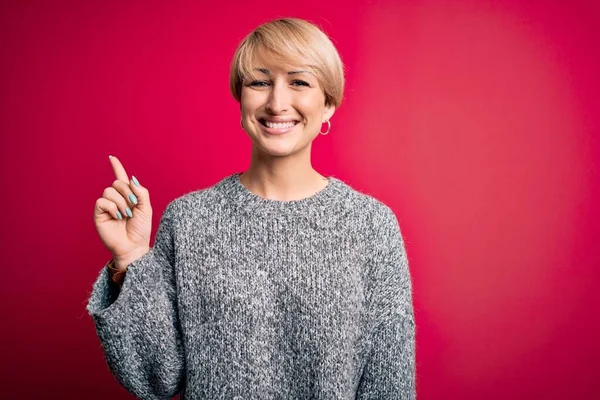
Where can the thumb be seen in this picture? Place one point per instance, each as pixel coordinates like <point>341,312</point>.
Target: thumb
<point>142,196</point>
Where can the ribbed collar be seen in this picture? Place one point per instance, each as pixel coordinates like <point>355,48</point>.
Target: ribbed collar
<point>324,200</point>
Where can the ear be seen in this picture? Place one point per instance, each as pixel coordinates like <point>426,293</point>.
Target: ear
<point>328,113</point>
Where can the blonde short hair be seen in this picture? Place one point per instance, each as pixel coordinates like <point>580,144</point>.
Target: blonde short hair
<point>291,40</point>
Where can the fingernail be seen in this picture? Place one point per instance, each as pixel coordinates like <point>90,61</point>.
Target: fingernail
<point>119,215</point>
<point>135,181</point>
<point>128,212</point>
<point>133,198</point>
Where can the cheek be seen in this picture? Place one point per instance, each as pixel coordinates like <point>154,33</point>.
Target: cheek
<point>312,108</point>
<point>249,100</point>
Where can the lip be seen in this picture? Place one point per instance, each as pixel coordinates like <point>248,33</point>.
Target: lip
<point>277,131</point>
<point>278,119</point>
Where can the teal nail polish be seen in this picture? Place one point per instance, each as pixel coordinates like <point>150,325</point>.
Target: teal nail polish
<point>119,215</point>
<point>135,181</point>
<point>128,212</point>
<point>133,198</point>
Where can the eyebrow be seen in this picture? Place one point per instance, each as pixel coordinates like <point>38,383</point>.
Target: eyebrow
<point>267,72</point>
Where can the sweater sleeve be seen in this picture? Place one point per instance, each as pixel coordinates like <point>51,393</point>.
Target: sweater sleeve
<point>389,372</point>
<point>138,326</point>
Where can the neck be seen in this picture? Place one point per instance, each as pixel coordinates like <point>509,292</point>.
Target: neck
<point>282,178</point>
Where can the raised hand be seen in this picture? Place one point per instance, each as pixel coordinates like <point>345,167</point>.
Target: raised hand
<point>123,218</point>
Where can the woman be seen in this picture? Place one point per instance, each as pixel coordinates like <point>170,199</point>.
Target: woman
<point>275,283</point>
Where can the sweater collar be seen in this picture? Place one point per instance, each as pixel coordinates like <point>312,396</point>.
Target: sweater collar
<point>324,200</point>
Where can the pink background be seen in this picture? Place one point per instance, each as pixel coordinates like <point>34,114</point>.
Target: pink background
<point>476,121</point>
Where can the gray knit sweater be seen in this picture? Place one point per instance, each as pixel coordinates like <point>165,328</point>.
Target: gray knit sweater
<point>243,297</point>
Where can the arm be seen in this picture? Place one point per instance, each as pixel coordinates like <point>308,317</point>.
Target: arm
<point>138,324</point>
<point>389,372</point>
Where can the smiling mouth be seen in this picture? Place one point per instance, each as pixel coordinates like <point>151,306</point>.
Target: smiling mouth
<point>277,125</point>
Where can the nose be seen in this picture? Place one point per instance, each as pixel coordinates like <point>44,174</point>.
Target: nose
<point>279,99</point>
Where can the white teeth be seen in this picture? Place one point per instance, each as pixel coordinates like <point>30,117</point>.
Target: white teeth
<point>280,125</point>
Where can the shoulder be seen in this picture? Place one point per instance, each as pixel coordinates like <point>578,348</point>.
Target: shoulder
<point>196,203</point>
<point>370,218</point>
<point>374,211</point>
<point>385,249</point>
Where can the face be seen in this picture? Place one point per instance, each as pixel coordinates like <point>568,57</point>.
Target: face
<point>283,107</point>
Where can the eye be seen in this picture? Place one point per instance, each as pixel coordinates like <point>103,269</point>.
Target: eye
<point>258,84</point>
<point>299,82</point>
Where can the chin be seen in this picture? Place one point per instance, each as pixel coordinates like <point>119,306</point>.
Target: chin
<point>279,150</point>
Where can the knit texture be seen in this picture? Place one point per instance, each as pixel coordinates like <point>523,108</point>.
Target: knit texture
<point>243,297</point>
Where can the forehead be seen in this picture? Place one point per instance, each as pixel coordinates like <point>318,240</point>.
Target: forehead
<point>291,71</point>
<point>270,64</point>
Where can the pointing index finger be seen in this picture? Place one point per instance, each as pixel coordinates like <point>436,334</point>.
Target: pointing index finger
<point>118,169</point>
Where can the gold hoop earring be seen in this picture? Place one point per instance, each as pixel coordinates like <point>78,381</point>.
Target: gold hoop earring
<point>328,128</point>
